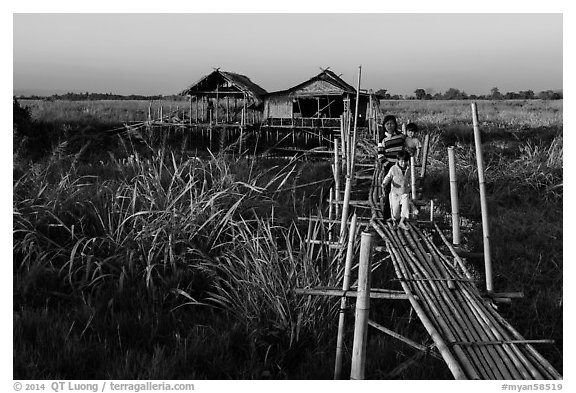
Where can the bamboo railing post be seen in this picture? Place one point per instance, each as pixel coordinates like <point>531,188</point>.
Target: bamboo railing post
<point>454,198</point>
<point>483,203</point>
<point>330,214</point>
<point>425,155</point>
<point>413,177</point>
<point>343,300</point>
<point>337,175</point>
<point>345,206</point>
<point>362,308</point>
<point>353,144</point>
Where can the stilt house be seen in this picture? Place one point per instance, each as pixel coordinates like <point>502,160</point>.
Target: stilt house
<point>225,98</point>
<point>317,102</point>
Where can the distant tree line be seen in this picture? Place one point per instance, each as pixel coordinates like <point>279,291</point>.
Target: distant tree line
<point>419,94</point>
<point>102,96</point>
<point>456,94</point>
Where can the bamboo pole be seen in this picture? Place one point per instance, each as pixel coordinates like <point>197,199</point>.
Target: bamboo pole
<point>454,198</point>
<point>399,337</point>
<point>382,294</point>
<point>330,214</point>
<point>447,355</point>
<point>345,207</point>
<point>425,156</point>
<point>353,145</point>
<point>431,210</point>
<point>457,315</point>
<point>483,203</point>
<point>362,308</point>
<point>343,300</point>
<point>453,252</point>
<point>437,311</point>
<point>476,320</point>
<point>337,174</point>
<point>413,176</point>
<point>343,136</point>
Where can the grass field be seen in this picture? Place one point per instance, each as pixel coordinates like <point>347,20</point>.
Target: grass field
<point>151,264</point>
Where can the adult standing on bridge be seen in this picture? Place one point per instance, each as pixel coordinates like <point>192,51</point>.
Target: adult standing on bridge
<point>389,145</point>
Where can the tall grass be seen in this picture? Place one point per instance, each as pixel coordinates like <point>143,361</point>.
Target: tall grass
<point>160,265</point>
<point>166,236</point>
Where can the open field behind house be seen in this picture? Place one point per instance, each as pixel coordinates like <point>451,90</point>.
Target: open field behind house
<point>151,263</point>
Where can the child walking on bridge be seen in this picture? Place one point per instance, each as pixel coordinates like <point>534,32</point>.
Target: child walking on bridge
<point>399,178</point>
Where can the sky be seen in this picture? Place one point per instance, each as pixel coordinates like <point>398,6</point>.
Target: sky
<point>163,53</point>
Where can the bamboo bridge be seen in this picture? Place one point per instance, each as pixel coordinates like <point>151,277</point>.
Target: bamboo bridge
<point>468,334</point>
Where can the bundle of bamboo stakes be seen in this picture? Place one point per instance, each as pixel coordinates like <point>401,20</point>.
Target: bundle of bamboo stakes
<point>473,339</point>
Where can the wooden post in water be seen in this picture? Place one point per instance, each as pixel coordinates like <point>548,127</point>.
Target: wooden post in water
<point>483,203</point>
<point>362,308</point>
<point>343,300</point>
<point>454,198</point>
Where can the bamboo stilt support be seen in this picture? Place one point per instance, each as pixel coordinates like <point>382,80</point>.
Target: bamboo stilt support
<point>343,301</point>
<point>431,210</point>
<point>362,308</point>
<point>454,198</point>
<point>483,203</point>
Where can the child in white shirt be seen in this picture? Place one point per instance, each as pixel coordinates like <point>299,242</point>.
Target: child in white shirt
<point>399,177</point>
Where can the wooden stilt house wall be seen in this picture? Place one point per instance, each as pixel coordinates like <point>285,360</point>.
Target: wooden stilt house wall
<point>324,96</point>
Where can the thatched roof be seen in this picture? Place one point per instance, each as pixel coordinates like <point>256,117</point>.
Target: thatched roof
<point>209,82</point>
<point>339,86</point>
